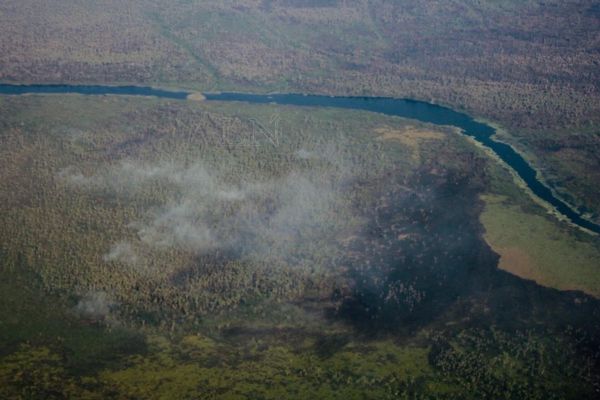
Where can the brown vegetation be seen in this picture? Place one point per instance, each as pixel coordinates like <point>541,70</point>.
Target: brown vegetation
<point>528,65</point>
<point>525,64</point>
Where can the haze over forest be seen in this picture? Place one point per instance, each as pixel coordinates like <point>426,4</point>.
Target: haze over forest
<point>163,247</point>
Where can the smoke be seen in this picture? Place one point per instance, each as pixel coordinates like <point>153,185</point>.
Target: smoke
<point>304,154</point>
<point>200,209</point>
<point>95,305</point>
<point>121,252</point>
<point>74,177</point>
<point>180,225</point>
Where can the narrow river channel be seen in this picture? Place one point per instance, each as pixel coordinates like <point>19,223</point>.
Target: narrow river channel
<point>405,108</point>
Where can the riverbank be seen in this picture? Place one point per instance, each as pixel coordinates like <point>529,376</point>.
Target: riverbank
<point>406,108</point>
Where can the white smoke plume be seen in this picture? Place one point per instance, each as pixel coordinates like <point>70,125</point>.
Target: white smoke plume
<point>121,252</point>
<point>95,305</point>
<point>204,209</point>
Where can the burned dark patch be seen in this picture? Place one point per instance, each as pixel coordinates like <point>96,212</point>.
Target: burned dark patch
<point>417,254</point>
<point>421,261</point>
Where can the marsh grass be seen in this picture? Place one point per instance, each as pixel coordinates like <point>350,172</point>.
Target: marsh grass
<point>550,255</point>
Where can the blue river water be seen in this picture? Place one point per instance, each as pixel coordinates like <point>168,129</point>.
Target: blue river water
<point>405,108</point>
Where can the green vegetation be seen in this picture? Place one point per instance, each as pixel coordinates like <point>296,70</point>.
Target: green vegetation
<point>470,366</point>
<point>159,249</point>
<point>376,371</point>
<point>534,247</point>
<point>567,161</point>
<point>186,249</point>
<point>84,201</point>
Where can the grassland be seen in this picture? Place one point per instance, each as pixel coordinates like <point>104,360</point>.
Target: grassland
<point>533,247</point>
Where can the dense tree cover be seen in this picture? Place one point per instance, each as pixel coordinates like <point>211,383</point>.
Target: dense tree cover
<point>153,249</point>
<point>528,65</point>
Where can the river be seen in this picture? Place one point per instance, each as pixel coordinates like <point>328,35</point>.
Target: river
<point>405,108</point>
